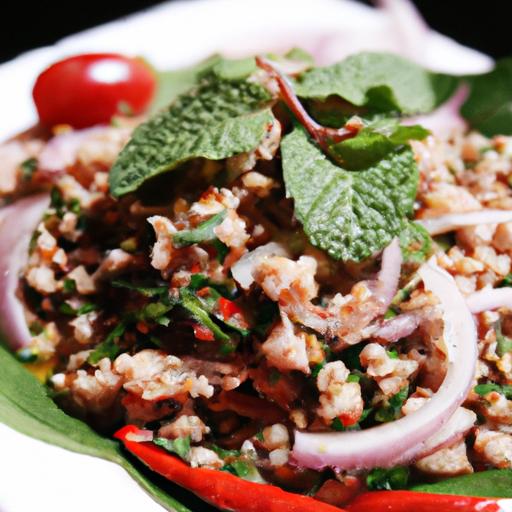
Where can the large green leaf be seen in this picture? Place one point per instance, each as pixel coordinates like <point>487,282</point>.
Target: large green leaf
<point>379,81</point>
<point>349,214</point>
<point>215,120</point>
<point>26,407</point>
<point>494,483</point>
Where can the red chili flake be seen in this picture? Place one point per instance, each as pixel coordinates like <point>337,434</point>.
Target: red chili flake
<point>203,333</point>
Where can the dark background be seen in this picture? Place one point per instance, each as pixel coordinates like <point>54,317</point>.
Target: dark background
<point>484,25</point>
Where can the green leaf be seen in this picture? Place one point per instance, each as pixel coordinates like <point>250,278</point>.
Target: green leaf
<point>28,168</point>
<point>374,143</point>
<point>488,107</point>
<point>503,343</point>
<point>380,82</point>
<point>415,242</point>
<point>175,82</point>
<point>387,479</point>
<point>147,291</point>
<point>180,446</point>
<point>109,347</point>
<point>506,281</point>
<point>483,389</point>
<point>392,410</point>
<point>351,215</point>
<point>26,407</point>
<point>194,306</point>
<point>202,233</point>
<point>215,120</point>
<point>494,483</point>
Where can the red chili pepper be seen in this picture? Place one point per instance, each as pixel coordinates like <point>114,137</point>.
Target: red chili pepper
<point>411,501</point>
<point>202,333</point>
<point>228,308</point>
<point>220,488</point>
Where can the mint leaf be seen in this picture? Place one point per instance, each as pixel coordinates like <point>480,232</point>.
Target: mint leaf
<point>180,446</point>
<point>351,215</point>
<point>387,479</point>
<point>373,143</point>
<point>202,233</point>
<point>178,81</point>
<point>415,242</point>
<point>26,407</point>
<point>488,107</point>
<point>215,120</point>
<point>380,82</point>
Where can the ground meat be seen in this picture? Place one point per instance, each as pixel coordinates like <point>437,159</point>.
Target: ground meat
<point>494,447</point>
<point>154,375</point>
<point>338,398</point>
<point>447,462</point>
<point>286,350</point>
<point>185,426</point>
<point>391,374</point>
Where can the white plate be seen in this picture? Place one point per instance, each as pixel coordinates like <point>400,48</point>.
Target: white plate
<point>35,476</point>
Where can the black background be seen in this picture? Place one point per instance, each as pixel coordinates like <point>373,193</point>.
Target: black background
<point>484,25</point>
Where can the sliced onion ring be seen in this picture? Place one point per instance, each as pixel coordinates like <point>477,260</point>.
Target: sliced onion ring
<point>406,438</point>
<point>18,222</point>
<point>489,299</point>
<point>453,221</point>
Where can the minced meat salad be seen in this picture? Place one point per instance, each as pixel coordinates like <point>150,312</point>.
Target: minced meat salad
<point>281,275</point>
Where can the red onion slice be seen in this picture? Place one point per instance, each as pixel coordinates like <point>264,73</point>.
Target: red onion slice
<point>453,221</point>
<point>397,328</point>
<point>489,299</point>
<point>454,430</point>
<point>388,444</point>
<point>18,222</point>
<point>386,284</point>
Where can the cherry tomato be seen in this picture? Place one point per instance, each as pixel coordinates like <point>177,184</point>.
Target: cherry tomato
<point>89,89</point>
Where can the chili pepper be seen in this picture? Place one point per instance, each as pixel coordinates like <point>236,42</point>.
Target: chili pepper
<point>202,333</point>
<point>407,501</point>
<point>228,308</point>
<point>220,488</point>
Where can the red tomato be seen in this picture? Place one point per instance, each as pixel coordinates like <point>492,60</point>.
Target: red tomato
<point>89,89</point>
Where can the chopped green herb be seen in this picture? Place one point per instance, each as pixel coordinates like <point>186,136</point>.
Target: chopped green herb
<point>180,446</point>
<point>67,309</point>
<point>392,353</point>
<point>129,245</point>
<point>274,376</point>
<point>483,389</point>
<point>387,479</point>
<point>503,343</point>
<point>506,281</point>
<point>392,410</point>
<point>316,369</point>
<point>147,291</point>
<point>108,348</point>
<point>28,167</point>
<point>197,310</point>
<point>69,285</point>
<point>202,233</point>
<point>353,377</point>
